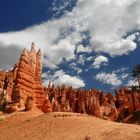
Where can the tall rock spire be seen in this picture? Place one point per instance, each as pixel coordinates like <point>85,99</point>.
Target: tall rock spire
<point>32,54</point>
<point>39,91</point>
<point>28,82</point>
<point>33,47</point>
<point>24,52</point>
<point>38,71</point>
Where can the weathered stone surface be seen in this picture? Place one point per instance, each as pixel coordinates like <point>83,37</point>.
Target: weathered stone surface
<point>3,99</point>
<point>2,78</point>
<point>11,108</point>
<point>47,107</point>
<point>21,88</point>
<point>95,102</point>
<point>28,82</point>
<point>29,104</point>
<point>25,76</point>
<point>24,81</point>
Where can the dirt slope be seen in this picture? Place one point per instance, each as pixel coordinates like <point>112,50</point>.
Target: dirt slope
<point>65,126</point>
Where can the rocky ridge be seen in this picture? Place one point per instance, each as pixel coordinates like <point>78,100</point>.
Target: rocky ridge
<point>21,89</point>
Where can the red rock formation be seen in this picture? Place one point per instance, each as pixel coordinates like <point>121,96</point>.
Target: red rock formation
<point>127,102</point>
<point>24,82</point>
<point>95,102</point>
<point>28,82</point>
<point>29,103</point>
<point>47,107</point>
<point>2,79</point>
<point>39,90</point>
<point>7,82</point>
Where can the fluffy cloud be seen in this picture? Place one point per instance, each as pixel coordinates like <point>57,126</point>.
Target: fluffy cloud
<point>92,25</point>
<point>99,60</point>
<point>81,59</point>
<point>107,23</point>
<point>59,51</point>
<point>124,75</point>
<point>89,58</point>
<point>60,6</point>
<point>116,77</point>
<point>60,77</point>
<point>121,70</point>
<point>46,36</point>
<point>120,47</point>
<point>81,48</point>
<point>69,81</point>
<point>132,82</point>
<point>73,66</point>
<point>8,55</point>
<point>108,78</point>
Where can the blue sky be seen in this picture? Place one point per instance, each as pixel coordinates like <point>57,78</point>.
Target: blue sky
<point>85,43</point>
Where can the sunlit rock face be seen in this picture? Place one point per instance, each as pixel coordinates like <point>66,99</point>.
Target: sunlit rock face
<point>21,89</point>
<point>24,81</point>
<point>28,82</point>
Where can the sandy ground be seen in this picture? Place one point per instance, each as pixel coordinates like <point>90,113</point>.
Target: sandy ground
<point>63,126</point>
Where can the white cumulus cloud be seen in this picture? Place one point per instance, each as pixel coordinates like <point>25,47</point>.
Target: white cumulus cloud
<point>131,82</point>
<point>59,51</point>
<point>108,78</point>
<point>69,81</point>
<point>99,60</point>
<point>60,77</point>
<point>107,23</point>
<point>81,48</point>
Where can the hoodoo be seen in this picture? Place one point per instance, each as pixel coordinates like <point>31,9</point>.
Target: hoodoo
<point>21,89</point>
<point>24,82</point>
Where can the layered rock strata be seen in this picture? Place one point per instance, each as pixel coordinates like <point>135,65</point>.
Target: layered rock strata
<point>120,107</point>
<point>28,81</point>
<point>24,81</point>
<point>21,88</point>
